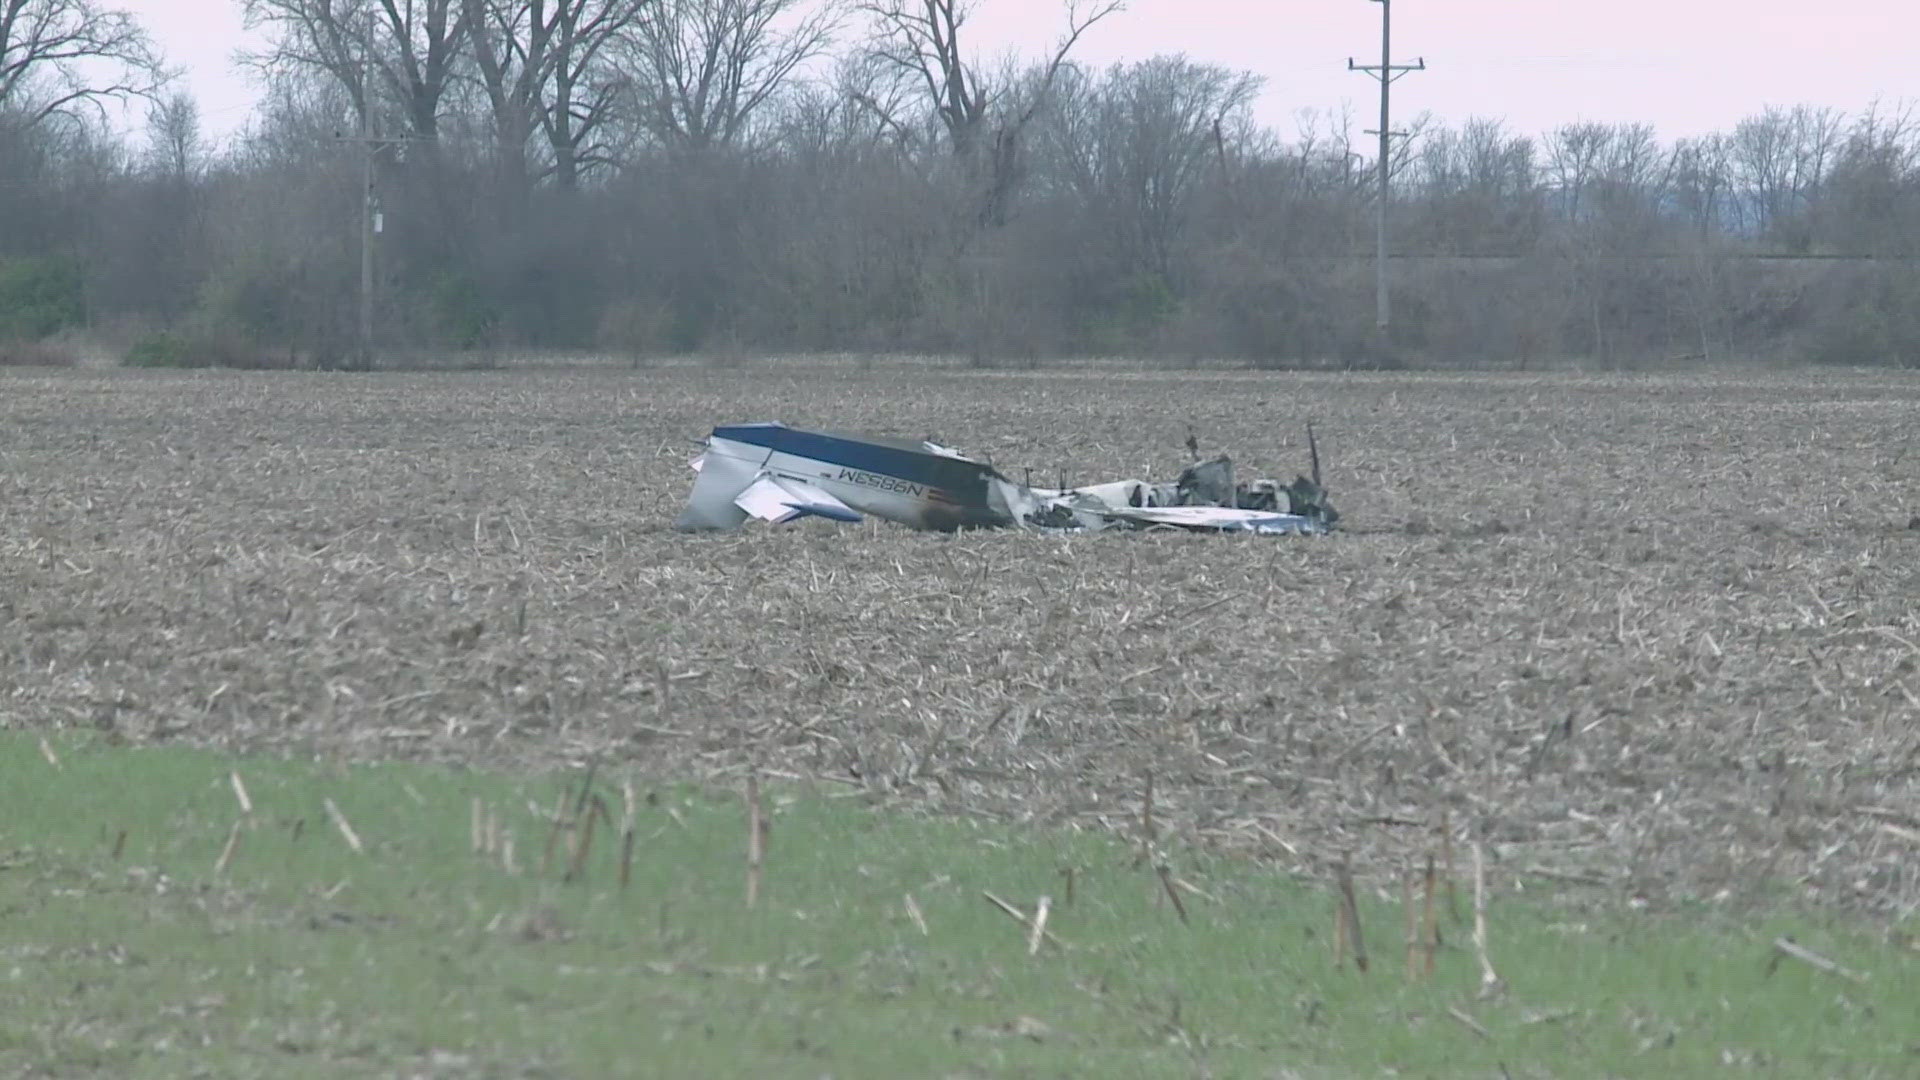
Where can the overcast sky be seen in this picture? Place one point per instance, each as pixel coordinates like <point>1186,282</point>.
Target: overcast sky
<point>1685,66</point>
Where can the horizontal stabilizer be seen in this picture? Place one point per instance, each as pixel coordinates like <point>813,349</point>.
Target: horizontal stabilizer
<point>781,499</point>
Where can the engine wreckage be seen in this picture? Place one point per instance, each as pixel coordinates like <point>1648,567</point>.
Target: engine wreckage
<point>778,473</point>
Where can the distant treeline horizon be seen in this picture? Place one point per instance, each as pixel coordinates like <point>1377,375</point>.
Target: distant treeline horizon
<point>651,177</point>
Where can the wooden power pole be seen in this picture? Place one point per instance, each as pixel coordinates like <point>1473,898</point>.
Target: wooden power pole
<point>372,217</point>
<point>1386,72</point>
<point>372,225</point>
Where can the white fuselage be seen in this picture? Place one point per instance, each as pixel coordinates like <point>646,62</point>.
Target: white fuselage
<point>729,466</point>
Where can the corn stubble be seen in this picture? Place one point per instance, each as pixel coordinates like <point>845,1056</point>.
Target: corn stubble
<point>1646,636</point>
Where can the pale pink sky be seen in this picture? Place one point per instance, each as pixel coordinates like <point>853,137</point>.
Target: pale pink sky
<point>1685,66</point>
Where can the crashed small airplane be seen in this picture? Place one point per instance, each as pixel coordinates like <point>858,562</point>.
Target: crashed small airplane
<point>777,473</point>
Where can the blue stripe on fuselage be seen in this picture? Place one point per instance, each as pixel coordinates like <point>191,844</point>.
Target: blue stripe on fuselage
<point>964,480</point>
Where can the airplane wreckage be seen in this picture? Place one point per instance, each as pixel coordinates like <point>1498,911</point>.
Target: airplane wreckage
<point>778,473</point>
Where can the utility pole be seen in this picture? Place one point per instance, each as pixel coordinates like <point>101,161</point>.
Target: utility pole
<point>372,225</point>
<point>372,219</point>
<point>1386,71</point>
<point>369,208</point>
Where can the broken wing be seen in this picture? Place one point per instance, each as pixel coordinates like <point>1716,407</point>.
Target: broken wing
<point>1215,519</point>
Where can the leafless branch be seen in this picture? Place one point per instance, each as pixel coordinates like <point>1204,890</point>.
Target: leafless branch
<point>56,56</point>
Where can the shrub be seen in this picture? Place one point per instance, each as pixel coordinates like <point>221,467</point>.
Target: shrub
<point>202,348</point>
<point>460,313</point>
<point>1874,320</point>
<point>161,351</point>
<point>39,297</point>
<point>262,314</point>
<point>36,354</point>
<point>637,329</point>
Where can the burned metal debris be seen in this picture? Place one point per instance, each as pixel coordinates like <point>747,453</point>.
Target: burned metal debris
<point>778,473</point>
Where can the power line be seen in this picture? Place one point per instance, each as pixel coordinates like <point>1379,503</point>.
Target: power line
<point>1386,72</point>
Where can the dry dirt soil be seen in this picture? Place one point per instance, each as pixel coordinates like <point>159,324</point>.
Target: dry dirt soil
<point>1646,637</point>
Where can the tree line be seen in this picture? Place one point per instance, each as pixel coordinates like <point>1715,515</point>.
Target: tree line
<point>650,177</point>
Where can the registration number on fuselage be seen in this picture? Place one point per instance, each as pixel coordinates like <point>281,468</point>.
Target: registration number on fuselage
<point>881,482</point>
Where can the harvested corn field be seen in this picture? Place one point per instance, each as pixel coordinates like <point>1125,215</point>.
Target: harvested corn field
<point>1644,636</point>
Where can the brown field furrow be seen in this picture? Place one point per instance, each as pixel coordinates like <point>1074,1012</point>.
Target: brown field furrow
<point>1653,631</point>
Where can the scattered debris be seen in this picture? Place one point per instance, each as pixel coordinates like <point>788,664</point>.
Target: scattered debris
<point>1166,883</point>
<point>1039,925</point>
<point>1491,985</point>
<point>232,845</point>
<point>340,822</point>
<point>1784,946</point>
<point>1467,1021</point>
<point>778,474</point>
<point>1023,1027</point>
<point>1429,928</point>
<point>583,843</point>
<point>756,837</point>
<point>1346,919</point>
<point>1020,917</point>
<point>1146,824</point>
<point>542,923</point>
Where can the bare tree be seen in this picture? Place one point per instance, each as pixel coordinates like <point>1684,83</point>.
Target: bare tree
<point>1700,188</point>
<point>851,112</point>
<point>403,54</point>
<point>57,56</point>
<point>1634,177</point>
<point>175,149</point>
<point>707,66</point>
<point>1781,157</point>
<point>877,100</point>
<point>587,85</point>
<point>513,49</point>
<point>540,68</point>
<point>1699,172</point>
<point>1322,154</point>
<point>1872,201</point>
<point>150,250</point>
<point>921,39</point>
<point>984,119</point>
<point>1610,183</point>
<point>427,46</point>
<point>1576,156</point>
<point>1481,189</point>
<point>1135,144</point>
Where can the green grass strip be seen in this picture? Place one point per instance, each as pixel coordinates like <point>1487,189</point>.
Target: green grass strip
<point>415,956</point>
